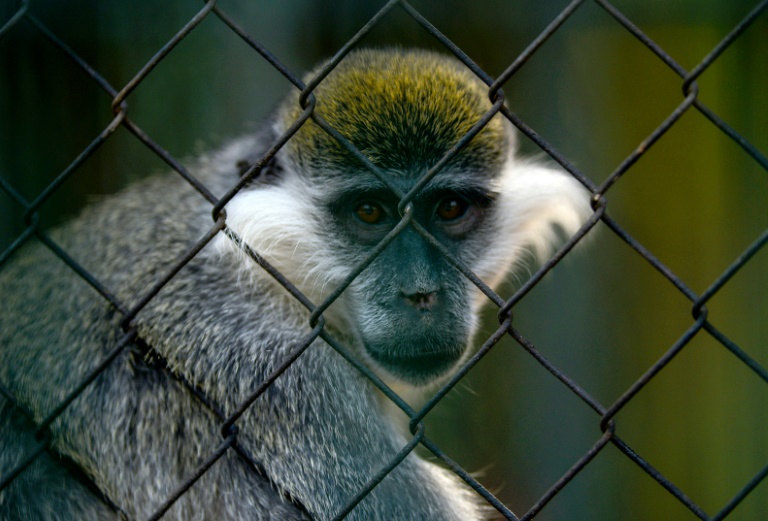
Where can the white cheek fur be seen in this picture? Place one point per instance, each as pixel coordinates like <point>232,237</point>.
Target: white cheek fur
<point>535,201</point>
<point>281,224</point>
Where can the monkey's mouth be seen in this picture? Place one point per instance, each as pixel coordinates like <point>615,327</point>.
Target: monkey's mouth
<point>418,368</point>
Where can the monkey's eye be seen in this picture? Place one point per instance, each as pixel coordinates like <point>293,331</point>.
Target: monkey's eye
<point>452,208</point>
<point>369,212</point>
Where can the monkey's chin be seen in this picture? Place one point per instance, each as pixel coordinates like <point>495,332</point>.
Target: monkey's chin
<point>418,369</point>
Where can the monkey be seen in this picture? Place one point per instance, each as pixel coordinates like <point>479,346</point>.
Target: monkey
<point>223,323</point>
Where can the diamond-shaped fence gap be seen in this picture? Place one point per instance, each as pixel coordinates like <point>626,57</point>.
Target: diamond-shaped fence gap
<point>589,493</point>
<point>159,24</point>
<point>551,415</point>
<point>398,28</point>
<point>125,158</point>
<point>509,32</point>
<point>348,17</point>
<point>705,221</point>
<point>465,406</point>
<point>567,296</point>
<point>639,498</point>
<point>607,68</point>
<point>200,98</point>
<point>689,446</point>
<point>62,130</point>
<point>269,27</point>
<point>754,118</point>
<point>591,347</point>
<point>529,405</point>
<point>740,322</point>
<point>738,69</point>
<point>525,91</point>
<point>721,17</point>
<point>739,191</point>
<point>748,327</point>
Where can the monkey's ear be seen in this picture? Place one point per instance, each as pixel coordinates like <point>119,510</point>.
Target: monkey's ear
<point>270,171</point>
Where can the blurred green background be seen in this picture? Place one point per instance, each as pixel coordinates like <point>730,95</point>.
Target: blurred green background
<point>603,316</point>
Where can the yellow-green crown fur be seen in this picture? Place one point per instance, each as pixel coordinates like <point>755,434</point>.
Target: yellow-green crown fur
<point>402,109</point>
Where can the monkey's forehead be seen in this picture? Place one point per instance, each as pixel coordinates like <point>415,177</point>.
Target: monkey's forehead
<point>402,109</point>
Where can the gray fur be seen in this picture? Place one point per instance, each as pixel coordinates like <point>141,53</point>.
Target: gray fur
<point>135,430</point>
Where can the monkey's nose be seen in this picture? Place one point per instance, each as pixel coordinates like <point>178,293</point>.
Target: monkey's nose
<point>421,301</point>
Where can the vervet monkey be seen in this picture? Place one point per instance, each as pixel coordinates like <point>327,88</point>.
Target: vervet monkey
<point>223,324</point>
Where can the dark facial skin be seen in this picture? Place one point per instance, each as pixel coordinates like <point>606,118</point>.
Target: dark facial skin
<point>410,305</point>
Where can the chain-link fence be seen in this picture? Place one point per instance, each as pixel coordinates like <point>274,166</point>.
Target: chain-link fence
<point>25,210</point>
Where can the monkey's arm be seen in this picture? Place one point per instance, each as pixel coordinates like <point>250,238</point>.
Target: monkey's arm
<point>135,432</point>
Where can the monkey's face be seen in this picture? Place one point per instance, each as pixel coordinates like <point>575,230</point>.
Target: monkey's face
<point>411,309</point>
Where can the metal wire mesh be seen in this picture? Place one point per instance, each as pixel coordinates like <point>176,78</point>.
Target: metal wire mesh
<point>605,412</point>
